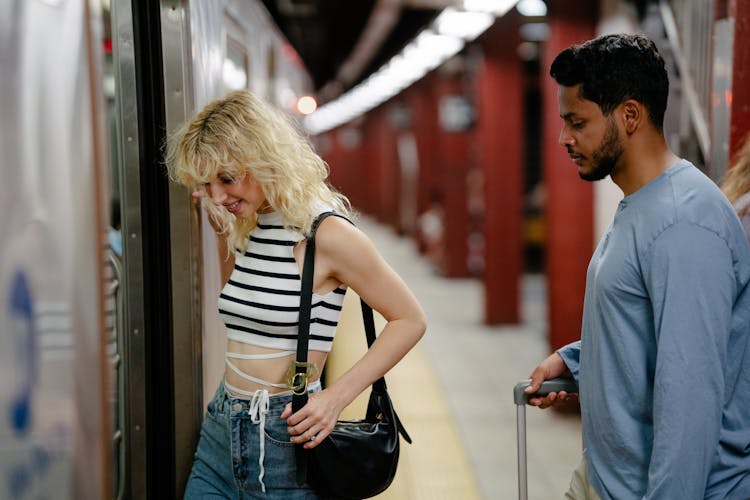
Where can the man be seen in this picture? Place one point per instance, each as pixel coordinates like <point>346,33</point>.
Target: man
<point>663,363</point>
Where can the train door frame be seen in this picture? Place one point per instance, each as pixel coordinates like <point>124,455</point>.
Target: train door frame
<point>133,393</point>
<point>162,353</point>
<point>186,255</point>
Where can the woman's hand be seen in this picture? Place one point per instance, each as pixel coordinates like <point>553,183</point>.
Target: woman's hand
<point>221,229</point>
<point>226,259</point>
<point>314,421</point>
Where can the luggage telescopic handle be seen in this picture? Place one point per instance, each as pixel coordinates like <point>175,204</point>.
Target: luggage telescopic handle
<point>521,398</point>
<point>553,385</point>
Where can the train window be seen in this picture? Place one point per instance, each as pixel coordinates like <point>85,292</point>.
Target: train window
<point>235,68</point>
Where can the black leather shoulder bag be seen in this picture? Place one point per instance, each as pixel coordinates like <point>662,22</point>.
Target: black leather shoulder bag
<point>359,458</point>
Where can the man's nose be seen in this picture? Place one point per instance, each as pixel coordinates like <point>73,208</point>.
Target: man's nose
<point>564,139</point>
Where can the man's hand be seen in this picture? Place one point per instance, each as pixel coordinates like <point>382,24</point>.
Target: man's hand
<point>550,368</point>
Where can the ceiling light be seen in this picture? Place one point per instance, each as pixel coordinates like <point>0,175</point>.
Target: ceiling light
<point>528,51</point>
<point>463,24</point>
<point>306,104</point>
<point>534,32</point>
<point>495,7</point>
<point>447,36</point>
<point>532,8</point>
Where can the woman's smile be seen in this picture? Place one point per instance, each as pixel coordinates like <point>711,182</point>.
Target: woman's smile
<point>233,207</point>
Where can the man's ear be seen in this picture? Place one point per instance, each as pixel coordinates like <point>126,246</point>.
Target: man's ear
<point>633,115</point>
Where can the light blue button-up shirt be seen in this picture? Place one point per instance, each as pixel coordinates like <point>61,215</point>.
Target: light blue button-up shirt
<point>663,363</point>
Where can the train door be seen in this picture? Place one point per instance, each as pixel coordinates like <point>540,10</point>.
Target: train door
<point>54,425</point>
<point>159,398</point>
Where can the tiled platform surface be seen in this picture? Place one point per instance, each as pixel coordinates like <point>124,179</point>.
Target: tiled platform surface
<point>454,391</point>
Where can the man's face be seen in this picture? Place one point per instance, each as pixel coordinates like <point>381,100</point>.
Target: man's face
<point>592,139</point>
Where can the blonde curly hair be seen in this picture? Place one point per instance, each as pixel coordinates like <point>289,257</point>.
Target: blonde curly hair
<point>240,134</point>
<point>737,179</point>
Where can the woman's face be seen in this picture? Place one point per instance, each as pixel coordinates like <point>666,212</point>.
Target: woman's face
<point>241,196</point>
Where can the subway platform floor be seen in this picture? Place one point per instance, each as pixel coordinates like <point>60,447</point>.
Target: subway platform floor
<point>454,390</point>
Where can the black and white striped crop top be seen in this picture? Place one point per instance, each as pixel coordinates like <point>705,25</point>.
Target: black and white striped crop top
<point>260,302</point>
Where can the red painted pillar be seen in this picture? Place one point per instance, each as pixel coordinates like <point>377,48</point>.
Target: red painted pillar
<point>569,200</point>
<point>372,164</point>
<point>381,161</point>
<point>406,167</point>
<point>390,173</point>
<point>500,137</point>
<point>740,117</point>
<point>347,171</point>
<point>423,110</point>
<point>424,125</point>
<point>326,146</point>
<point>453,162</point>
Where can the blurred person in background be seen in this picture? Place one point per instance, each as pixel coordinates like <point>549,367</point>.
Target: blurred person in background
<point>736,185</point>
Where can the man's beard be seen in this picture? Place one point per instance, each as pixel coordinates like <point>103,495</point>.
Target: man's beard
<point>606,155</point>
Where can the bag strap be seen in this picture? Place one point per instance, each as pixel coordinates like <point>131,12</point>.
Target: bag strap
<point>301,370</point>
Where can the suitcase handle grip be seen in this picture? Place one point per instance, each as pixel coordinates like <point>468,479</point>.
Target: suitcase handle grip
<point>553,385</point>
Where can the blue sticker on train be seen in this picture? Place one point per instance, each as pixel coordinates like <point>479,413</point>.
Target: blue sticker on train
<point>22,316</point>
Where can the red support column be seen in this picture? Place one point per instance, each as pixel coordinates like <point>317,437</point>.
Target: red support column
<point>569,200</point>
<point>382,163</point>
<point>345,162</point>
<point>501,138</point>
<point>424,125</point>
<point>453,161</point>
<point>740,118</point>
<point>327,146</point>
<point>390,173</point>
<point>372,164</point>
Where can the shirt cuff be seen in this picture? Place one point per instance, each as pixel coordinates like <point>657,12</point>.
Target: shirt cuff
<point>571,355</point>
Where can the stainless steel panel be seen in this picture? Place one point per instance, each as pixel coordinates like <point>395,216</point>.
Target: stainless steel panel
<point>133,396</point>
<point>52,253</point>
<point>185,251</point>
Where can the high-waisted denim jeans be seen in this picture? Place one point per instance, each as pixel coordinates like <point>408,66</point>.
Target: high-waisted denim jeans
<point>244,450</point>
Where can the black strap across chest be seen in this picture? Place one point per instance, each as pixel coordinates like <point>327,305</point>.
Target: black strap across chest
<point>301,367</point>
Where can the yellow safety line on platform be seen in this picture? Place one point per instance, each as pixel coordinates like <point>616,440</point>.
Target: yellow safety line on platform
<point>435,466</point>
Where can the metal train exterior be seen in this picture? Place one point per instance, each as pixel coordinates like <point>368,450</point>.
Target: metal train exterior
<point>108,349</point>
<point>110,343</point>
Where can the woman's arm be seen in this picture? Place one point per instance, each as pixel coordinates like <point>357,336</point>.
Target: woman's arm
<point>346,255</point>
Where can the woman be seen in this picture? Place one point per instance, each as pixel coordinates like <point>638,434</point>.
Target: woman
<point>263,186</point>
<point>736,185</point>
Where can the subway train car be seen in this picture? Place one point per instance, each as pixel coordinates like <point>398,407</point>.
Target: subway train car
<point>105,358</point>
<point>110,342</point>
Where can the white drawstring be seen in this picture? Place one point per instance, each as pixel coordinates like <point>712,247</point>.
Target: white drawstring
<point>258,409</point>
<point>260,404</point>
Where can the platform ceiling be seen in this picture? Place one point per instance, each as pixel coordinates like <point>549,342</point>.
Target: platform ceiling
<point>325,33</point>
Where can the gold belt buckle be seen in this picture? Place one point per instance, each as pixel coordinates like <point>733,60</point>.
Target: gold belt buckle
<point>297,381</point>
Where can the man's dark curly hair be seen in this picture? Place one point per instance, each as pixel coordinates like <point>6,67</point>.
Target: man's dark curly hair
<point>613,69</point>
